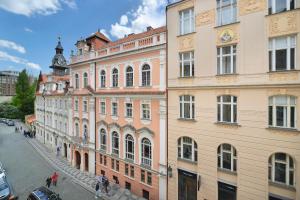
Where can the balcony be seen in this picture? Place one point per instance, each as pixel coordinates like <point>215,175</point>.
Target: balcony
<point>80,141</point>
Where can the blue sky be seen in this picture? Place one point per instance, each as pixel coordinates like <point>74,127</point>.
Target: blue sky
<point>29,28</point>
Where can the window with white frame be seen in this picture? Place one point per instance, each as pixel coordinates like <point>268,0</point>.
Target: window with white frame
<point>85,105</point>
<point>77,129</point>
<point>103,139</point>
<point>128,108</point>
<point>226,59</point>
<point>146,152</point>
<point>129,142</point>
<point>187,107</point>
<point>76,106</point>
<point>146,75</point>
<point>227,157</point>
<point>226,12</point>
<point>76,81</point>
<point>102,78</point>
<point>85,79</point>
<point>276,6</point>
<point>187,149</point>
<point>85,133</point>
<point>114,109</point>
<point>115,77</point>
<point>102,108</point>
<point>282,53</point>
<point>187,21</point>
<point>115,143</point>
<point>282,111</point>
<point>186,64</point>
<point>282,169</point>
<point>146,111</point>
<point>227,109</point>
<point>129,76</point>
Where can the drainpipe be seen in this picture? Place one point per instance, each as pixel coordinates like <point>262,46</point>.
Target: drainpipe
<point>95,113</point>
<point>167,102</point>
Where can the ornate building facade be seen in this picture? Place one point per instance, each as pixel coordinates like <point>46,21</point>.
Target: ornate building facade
<point>233,99</point>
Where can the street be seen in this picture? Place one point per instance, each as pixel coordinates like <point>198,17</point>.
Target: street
<point>27,170</point>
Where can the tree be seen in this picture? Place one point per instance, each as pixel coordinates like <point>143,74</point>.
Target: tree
<point>9,111</point>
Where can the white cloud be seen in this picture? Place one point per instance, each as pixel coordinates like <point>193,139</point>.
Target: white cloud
<point>28,30</point>
<point>31,7</point>
<point>149,13</point>
<point>12,45</point>
<point>104,32</point>
<point>7,57</point>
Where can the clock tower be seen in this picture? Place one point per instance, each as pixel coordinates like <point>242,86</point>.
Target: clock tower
<point>59,63</point>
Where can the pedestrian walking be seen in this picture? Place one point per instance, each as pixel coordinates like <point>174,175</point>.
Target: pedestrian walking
<point>105,183</point>
<point>54,178</point>
<point>97,188</point>
<point>48,182</point>
<point>57,151</point>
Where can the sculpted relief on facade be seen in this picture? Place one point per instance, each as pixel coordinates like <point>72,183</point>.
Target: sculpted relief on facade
<point>186,43</point>
<point>227,35</point>
<point>205,18</point>
<point>251,6</point>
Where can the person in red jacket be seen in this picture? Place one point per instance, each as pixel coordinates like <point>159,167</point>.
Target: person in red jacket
<point>54,178</point>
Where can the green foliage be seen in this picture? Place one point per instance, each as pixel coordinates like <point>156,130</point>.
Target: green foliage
<point>9,111</point>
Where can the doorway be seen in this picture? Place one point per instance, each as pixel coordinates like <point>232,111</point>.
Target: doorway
<point>86,162</point>
<point>226,191</point>
<point>77,159</point>
<point>65,150</point>
<point>187,185</point>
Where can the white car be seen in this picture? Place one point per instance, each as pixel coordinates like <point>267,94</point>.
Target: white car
<point>2,171</point>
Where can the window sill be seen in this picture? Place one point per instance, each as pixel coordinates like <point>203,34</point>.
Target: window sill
<point>283,71</point>
<point>185,119</point>
<point>232,74</point>
<point>294,130</point>
<point>145,184</point>
<point>223,25</point>
<point>131,178</point>
<point>186,77</point>
<point>102,151</point>
<point>145,86</point>
<point>129,161</point>
<point>281,12</point>
<point>147,167</point>
<point>115,156</point>
<point>114,87</point>
<point>182,35</point>
<point>113,170</point>
<point>227,171</point>
<point>228,124</point>
<point>282,185</point>
<point>186,160</point>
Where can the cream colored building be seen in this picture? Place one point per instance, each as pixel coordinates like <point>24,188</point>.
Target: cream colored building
<point>233,99</point>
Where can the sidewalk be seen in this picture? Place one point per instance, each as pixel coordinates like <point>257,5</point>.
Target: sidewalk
<point>84,179</point>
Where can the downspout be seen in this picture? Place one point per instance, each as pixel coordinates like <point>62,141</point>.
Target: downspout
<point>95,113</point>
<point>167,102</point>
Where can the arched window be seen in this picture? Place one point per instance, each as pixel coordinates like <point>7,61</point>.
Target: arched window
<point>76,129</point>
<point>115,77</point>
<point>76,81</point>
<point>115,143</point>
<point>227,109</point>
<point>282,111</point>
<point>103,139</point>
<point>146,75</point>
<point>129,141</point>
<point>282,169</point>
<point>85,79</point>
<point>146,152</point>
<point>187,149</point>
<point>227,157</point>
<point>102,79</point>
<point>129,77</point>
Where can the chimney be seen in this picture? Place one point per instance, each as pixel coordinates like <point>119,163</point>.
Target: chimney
<point>149,28</point>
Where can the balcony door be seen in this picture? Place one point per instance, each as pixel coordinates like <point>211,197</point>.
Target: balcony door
<point>187,185</point>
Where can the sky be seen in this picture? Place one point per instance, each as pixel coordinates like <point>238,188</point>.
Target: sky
<point>29,29</point>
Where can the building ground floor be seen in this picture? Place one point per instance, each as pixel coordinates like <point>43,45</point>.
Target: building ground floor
<point>83,158</point>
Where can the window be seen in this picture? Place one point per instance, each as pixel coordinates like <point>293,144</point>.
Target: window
<point>226,191</point>
<point>282,111</point>
<point>187,21</point>
<point>227,109</point>
<point>129,77</point>
<point>102,108</point>
<point>114,109</point>
<point>186,64</point>
<point>102,79</point>
<point>146,75</point>
<point>115,77</point>
<point>227,157</point>
<point>149,178</point>
<point>132,171</point>
<point>226,11</point>
<point>187,107</point>
<point>146,111</point>
<point>101,159</point>
<point>282,53</point>
<point>187,149</point>
<point>77,129</point>
<point>115,143</point>
<point>226,59</point>
<point>85,79</point>
<point>76,81</point>
<point>85,106</point>
<point>146,152</point>
<point>76,105</point>
<point>115,165</point>
<point>104,161</point>
<point>85,133</point>
<point>128,110</point>
<point>129,141</point>
<point>126,169</point>
<point>276,6</point>
<point>103,139</point>
<point>282,169</point>
<point>143,176</point>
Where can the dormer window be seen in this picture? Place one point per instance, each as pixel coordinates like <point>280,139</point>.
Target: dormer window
<point>79,52</point>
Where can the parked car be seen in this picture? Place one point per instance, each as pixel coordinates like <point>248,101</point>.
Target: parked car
<point>10,123</point>
<point>5,190</point>
<point>43,193</point>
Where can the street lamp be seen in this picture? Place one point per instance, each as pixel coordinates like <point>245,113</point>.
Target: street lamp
<point>43,95</point>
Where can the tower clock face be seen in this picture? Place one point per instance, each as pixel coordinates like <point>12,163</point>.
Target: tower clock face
<point>60,61</point>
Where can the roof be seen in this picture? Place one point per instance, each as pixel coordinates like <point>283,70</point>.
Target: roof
<point>100,35</point>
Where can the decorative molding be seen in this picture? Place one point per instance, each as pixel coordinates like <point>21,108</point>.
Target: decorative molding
<point>283,23</point>
<point>227,79</point>
<point>228,34</point>
<point>251,6</point>
<point>205,18</point>
<point>187,4</point>
<point>186,42</point>
<point>283,76</point>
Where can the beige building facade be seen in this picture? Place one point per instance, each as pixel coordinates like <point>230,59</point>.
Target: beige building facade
<point>233,99</point>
